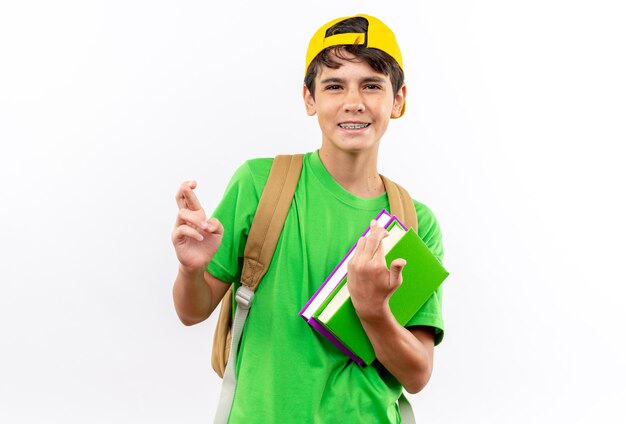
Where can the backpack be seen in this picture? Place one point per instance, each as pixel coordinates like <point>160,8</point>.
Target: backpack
<point>266,227</point>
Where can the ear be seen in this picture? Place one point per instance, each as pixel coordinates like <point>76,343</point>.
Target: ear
<point>309,101</point>
<point>398,102</point>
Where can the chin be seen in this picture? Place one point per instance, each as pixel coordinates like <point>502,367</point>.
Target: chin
<point>355,147</point>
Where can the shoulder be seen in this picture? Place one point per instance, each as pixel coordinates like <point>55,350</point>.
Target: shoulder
<point>428,228</point>
<point>426,217</point>
<point>252,174</point>
<point>255,168</point>
<point>255,172</point>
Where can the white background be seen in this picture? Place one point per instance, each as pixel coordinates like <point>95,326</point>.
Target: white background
<point>513,135</point>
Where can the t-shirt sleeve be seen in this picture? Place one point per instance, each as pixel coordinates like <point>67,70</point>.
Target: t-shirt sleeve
<point>236,211</point>
<point>430,313</point>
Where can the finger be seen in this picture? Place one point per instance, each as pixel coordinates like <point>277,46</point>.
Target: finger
<point>215,226</point>
<point>185,231</point>
<point>194,218</point>
<point>357,253</point>
<point>188,197</point>
<point>395,270</point>
<point>374,240</point>
<point>180,198</point>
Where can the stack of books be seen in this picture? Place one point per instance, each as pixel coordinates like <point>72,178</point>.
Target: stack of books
<point>331,312</point>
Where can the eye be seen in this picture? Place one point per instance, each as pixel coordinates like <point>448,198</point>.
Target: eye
<point>372,87</point>
<point>333,87</point>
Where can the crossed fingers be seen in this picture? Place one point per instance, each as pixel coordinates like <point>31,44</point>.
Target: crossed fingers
<point>186,198</point>
<point>191,220</point>
<point>371,246</point>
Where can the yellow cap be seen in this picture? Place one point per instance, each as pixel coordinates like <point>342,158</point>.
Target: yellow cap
<point>378,36</point>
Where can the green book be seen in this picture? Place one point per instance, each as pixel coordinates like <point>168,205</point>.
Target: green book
<point>421,276</point>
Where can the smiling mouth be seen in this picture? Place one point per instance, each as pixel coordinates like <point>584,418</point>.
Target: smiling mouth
<point>353,126</point>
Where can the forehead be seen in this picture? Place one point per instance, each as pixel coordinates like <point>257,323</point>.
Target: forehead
<point>351,68</point>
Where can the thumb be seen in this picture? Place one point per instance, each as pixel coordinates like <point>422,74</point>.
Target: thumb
<point>395,270</point>
<point>215,226</point>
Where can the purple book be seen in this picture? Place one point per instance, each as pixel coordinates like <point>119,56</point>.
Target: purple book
<point>384,219</point>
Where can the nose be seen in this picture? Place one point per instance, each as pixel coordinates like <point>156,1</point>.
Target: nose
<point>353,101</point>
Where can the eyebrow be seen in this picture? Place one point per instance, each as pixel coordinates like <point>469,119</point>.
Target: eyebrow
<point>342,80</point>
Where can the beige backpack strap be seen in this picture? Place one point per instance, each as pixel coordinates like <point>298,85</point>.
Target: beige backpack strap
<point>400,203</point>
<point>262,238</point>
<point>221,336</point>
<point>270,218</point>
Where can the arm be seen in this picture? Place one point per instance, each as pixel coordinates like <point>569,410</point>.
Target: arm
<point>196,239</point>
<point>406,353</point>
<point>196,295</point>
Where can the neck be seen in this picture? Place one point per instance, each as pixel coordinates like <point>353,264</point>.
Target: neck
<point>355,172</point>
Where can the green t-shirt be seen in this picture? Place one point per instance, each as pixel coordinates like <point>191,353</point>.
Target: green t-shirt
<point>286,371</point>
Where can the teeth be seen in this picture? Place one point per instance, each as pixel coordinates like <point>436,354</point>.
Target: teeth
<point>353,126</point>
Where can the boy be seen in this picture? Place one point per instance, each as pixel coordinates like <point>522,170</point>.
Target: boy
<point>286,372</point>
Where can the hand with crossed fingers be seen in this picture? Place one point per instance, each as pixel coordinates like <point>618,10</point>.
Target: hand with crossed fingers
<point>370,282</point>
<point>195,237</point>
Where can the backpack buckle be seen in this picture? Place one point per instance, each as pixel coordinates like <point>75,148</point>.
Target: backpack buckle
<point>244,297</point>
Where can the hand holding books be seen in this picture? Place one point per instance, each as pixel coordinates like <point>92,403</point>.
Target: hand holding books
<point>370,282</point>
